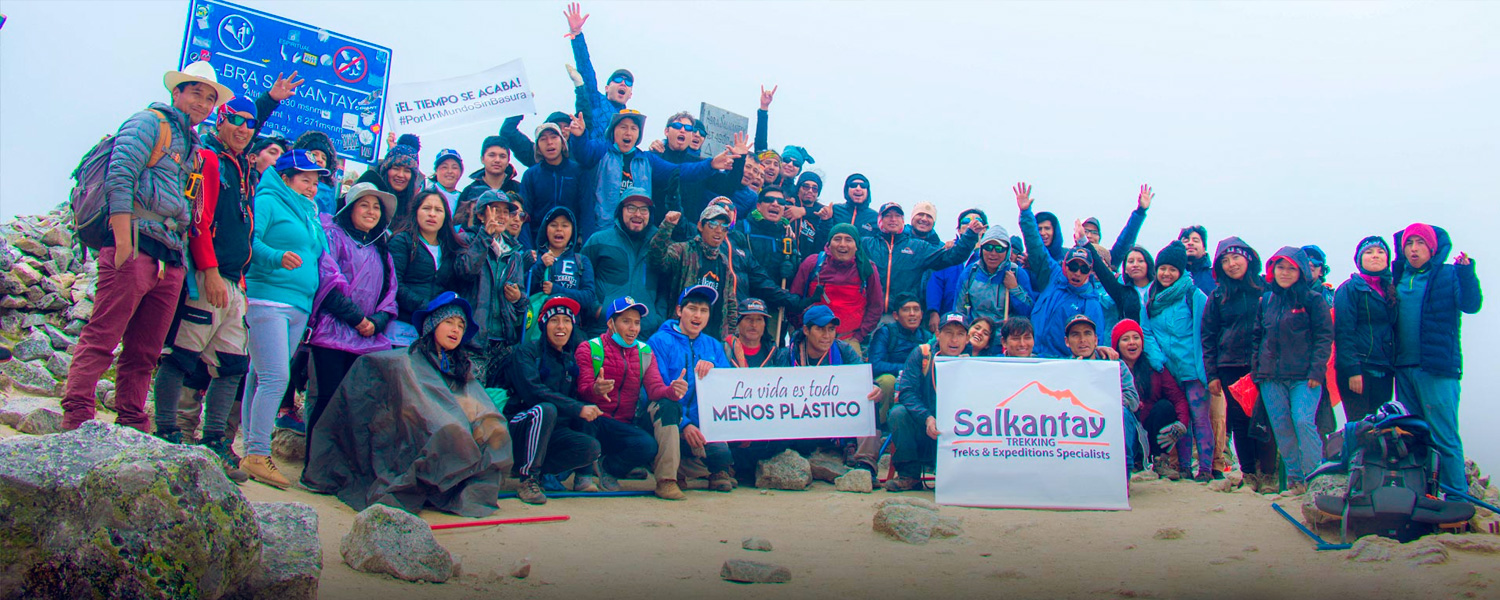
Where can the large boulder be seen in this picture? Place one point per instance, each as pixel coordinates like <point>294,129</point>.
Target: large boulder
<point>31,377</point>
<point>291,559</point>
<point>827,466</point>
<point>785,471</point>
<point>35,346</point>
<point>36,416</point>
<point>397,543</point>
<point>109,512</point>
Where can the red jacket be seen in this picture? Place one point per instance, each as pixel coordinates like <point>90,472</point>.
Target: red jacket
<point>1163,386</point>
<point>619,404</point>
<point>858,308</point>
<point>200,236</point>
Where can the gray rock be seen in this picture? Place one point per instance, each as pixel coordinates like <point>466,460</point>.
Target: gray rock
<point>62,256</point>
<point>14,303</point>
<point>522,568</point>
<point>1424,553</point>
<point>57,236</point>
<point>75,326</point>
<point>31,377</point>
<point>291,558</point>
<point>28,245</point>
<point>33,320</point>
<point>749,571</point>
<point>826,466</point>
<point>10,322</point>
<point>397,543</point>
<point>856,480</point>
<point>289,446</point>
<point>1372,548</point>
<point>908,501</point>
<point>59,364</point>
<point>52,302</point>
<point>109,512</point>
<point>785,471</point>
<point>1334,484</point>
<point>36,416</point>
<point>914,524</point>
<point>60,341</point>
<point>81,311</point>
<point>1481,543</point>
<point>35,346</point>
<point>758,544</point>
<point>104,389</point>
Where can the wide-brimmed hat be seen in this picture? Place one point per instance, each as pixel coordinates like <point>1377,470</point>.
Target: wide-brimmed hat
<point>198,72</point>
<point>387,200</point>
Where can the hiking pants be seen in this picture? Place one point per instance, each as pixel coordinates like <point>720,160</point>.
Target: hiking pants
<point>914,447</point>
<point>1435,398</point>
<point>1201,429</point>
<point>623,445</point>
<point>1378,390</point>
<point>275,331</point>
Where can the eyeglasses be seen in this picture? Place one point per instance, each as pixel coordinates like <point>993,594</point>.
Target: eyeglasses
<point>636,208</point>
<point>680,126</point>
<point>1078,267</point>
<point>993,248</point>
<point>239,121</point>
<point>859,184</point>
<point>715,224</point>
<point>622,79</point>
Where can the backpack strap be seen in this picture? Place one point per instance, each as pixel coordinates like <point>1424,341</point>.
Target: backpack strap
<point>926,359</point>
<point>644,352</point>
<point>163,139</point>
<point>596,352</point>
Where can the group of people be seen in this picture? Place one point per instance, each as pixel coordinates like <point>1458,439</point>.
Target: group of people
<point>554,322</point>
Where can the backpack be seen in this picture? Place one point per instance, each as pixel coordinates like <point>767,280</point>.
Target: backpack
<point>90,203</point>
<point>596,352</point>
<point>1393,487</point>
<point>812,276</point>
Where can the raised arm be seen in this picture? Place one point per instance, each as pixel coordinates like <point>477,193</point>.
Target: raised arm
<point>1132,229</point>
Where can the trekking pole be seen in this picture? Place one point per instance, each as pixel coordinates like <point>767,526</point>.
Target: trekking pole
<point>1320,545</point>
<point>1470,499</point>
<point>519,521</point>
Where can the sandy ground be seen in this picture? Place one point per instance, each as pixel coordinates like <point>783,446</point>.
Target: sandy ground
<point>1234,546</point>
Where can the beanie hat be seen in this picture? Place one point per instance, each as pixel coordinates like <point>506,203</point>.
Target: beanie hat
<point>412,141</point>
<point>1092,221</point>
<point>491,142</point>
<point>1373,241</point>
<point>1315,254</point>
<point>901,299</point>
<point>796,155</point>
<point>558,305</point>
<point>807,176</point>
<point>1421,231</point>
<point>1174,255</point>
<point>562,119</point>
<point>1240,251</point>
<point>925,208</point>
<point>1121,328</point>
<point>983,218</point>
<point>237,104</point>
<point>442,313</point>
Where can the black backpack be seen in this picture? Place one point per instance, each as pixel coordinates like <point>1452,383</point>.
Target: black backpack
<point>1393,487</point>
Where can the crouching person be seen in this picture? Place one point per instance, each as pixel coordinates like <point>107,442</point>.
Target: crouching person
<point>913,419</point>
<point>686,353</point>
<point>413,427</point>
<point>542,408</point>
<point>817,345</point>
<point>1082,337</point>
<point>614,370</point>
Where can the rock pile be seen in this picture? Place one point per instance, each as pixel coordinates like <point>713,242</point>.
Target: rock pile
<point>46,293</point>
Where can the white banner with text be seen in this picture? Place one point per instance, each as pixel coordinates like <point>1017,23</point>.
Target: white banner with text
<point>786,403</point>
<point>1029,433</point>
<point>490,95</point>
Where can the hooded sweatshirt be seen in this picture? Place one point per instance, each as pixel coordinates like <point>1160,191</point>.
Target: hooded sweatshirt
<point>622,269</point>
<point>572,274</point>
<point>1057,300</point>
<point>1230,314</point>
<point>1294,333</point>
<point>358,283</point>
<point>285,221</point>
<point>1056,247</point>
<point>546,186</point>
<point>981,293</point>
<point>861,216</point>
<point>1364,323</point>
<point>610,172</point>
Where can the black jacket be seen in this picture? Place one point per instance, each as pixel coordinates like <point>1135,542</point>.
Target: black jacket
<point>1230,313</point>
<point>537,373</point>
<point>1294,332</point>
<point>418,282</point>
<point>234,212</point>
<point>1364,328</point>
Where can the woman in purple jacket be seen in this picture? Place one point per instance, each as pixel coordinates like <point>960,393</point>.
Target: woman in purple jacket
<point>356,291</point>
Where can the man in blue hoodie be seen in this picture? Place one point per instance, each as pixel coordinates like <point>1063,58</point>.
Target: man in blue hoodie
<point>1429,357</point>
<point>554,180</point>
<point>684,351</point>
<point>1063,290</point>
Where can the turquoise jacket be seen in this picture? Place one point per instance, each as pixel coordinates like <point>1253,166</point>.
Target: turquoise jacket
<point>1173,323</point>
<point>285,221</point>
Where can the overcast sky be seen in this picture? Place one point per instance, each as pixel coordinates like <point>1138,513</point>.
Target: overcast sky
<point>1283,123</point>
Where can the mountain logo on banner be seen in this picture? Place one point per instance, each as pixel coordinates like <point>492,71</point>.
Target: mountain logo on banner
<point>1062,395</point>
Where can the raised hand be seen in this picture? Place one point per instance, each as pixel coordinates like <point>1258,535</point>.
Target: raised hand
<point>1079,234</point>
<point>1144,200</point>
<point>390,140</point>
<point>680,386</point>
<point>573,74</point>
<point>766,97</point>
<point>1023,195</point>
<point>1462,259</point>
<point>285,86</point>
<point>741,146</point>
<point>672,217</point>
<point>575,20</point>
<point>826,212</point>
<point>724,161</point>
<point>576,126</point>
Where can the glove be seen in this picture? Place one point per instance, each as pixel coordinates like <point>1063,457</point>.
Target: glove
<point>512,123</point>
<point>573,74</point>
<point>789,269</point>
<point>1167,437</point>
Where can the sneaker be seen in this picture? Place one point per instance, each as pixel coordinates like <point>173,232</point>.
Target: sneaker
<point>171,437</point>
<point>530,491</point>
<point>902,483</point>
<point>289,419</point>
<point>668,490</point>
<point>721,482</point>
<point>263,469</point>
<point>585,483</point>
<point>226,457</point>
<point>608,483</point>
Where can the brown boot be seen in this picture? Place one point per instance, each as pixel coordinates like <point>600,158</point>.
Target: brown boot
<point>263,469</point>
<point>668,490</point>
<point>902,483</point>
<point>721,482</point>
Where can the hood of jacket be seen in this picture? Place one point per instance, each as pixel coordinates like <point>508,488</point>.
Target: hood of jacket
<point>541,231</point>
<point>1252,273</point>
<point>1304,266</point>
<point>869,193</point>
<point>1056,247</point>
<point>1439,255</point>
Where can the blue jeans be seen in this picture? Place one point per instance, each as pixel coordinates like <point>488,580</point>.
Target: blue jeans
<point>1293,410</point>
<point>274,334</point>
<point>1435,398</point>
<point>1203,430</point>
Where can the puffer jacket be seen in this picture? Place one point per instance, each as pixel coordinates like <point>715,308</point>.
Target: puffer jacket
<point>572,275</point>
<point>536,373</point>
<point>285,221</point>
<point>1230,313</point>
<point>623,365</point>
<point>1364,329</point>
<point>1159,386</point>
<point>891,344</point>
<point>419,279</point>
<point>902,259</point>
<point>546,187</point>
<point>1203,273</point>
<point>983,294</point>
<point>676,354</point>
<point>1057,300</point>
<point>1294,332</point>
<point>1174,329</point>
<point>358,282</point>
<point>604,182</point>
<point>1451,289</point>
<point>130,185</point>
<point>621,269</point>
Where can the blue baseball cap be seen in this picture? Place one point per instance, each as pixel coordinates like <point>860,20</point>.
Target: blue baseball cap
<point>445,154</point>
<point>623,304</point>
<point>298,160</point>
<point>819,315</point>
<point>699,291</point>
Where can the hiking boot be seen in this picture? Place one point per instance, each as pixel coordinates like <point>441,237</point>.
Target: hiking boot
<point>668,490</point>
<point>902,483</point>
<point>1218,474</point>
<point>171,437</point>
<point>638,473</point>
<point>289,419</point>
<point>530,491</point>
<point>585,483</point>
<point>1204,478</point>
<point>608,483</point>
<point>227,459</point>
<point>263,469</point>
<point>721,482</point>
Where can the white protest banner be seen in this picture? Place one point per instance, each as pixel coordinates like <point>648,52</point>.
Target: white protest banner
<point>431,106</point>
<point>786,403</point>
<point>721,125</point>
<point>1026,433</point>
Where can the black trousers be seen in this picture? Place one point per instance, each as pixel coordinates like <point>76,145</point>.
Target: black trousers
<point>914,448</point>
<point>542,447</point>
<point>1378,390</point>
<point>1254,444</point>
<point>624,446</point>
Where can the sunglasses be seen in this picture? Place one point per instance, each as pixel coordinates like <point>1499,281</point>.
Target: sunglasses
<point>809,186</point>
<point>622,79</point>
<point>784,202</point>
<point>716,224</point>
<point>969,219</point>
<point>859,184</point>
<point>239,121</point>
<point>993,248</point>
<point>1078,267</point>
<point>679,126</point>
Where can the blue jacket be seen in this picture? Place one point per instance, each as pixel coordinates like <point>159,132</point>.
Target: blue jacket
<point>545,187</point>
<point>285,221</point>
<point>572,274</point>
<point>890,346</point>
<point>129,184</point>
<point>590,101</point>
<point>1173,322</point>
<point>1451,289</point>
<point>606,166</point>
<point>675,352</point>
<point>621,269</point>
<point>1057,301</point>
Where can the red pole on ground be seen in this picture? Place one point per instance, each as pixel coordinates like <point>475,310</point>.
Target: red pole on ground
<point>501,522</point>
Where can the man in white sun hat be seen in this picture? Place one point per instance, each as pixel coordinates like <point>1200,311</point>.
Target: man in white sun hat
<point>148,189</point>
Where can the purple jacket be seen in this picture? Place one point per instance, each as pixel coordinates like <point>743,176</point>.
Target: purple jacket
<point>362,272</point>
